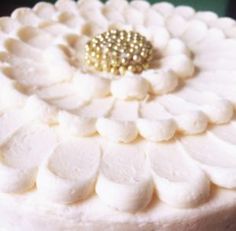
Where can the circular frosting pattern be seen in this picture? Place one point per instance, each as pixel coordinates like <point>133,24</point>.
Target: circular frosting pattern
<point>50,97</point>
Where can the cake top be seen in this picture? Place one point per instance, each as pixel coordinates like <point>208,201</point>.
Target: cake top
<point>118,98</point>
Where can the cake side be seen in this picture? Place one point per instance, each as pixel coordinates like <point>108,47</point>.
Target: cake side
<point>217,214</point>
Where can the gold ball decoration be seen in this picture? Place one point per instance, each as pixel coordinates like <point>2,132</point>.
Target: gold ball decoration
<point>118,51</point>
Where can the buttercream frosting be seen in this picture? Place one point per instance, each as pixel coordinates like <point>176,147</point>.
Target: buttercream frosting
<point>69,174</point>
<point>124,181</point>
<point>22,155</point>
<point>121,144</point>
<point>179,182</point>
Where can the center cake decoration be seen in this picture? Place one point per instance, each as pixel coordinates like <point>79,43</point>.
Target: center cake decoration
<point>118,51</point>
<point>117,115</point>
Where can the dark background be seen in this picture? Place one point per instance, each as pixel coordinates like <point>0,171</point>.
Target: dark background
<point>221,7</point>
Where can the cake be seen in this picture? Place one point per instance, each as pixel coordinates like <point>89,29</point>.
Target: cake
<point>117,116</point>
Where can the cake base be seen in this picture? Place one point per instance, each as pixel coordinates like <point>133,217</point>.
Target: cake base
<point>28,212</point>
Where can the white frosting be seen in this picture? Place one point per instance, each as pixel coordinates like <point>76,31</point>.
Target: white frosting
<point>173,22</point>
<point>185,11</point>
<point>165,8</point>
<point>154,110</point>
<point>220,112</point>
<point>181,65</point>
<point>215,157</point>
<point>21,156</point>
<point>10,97</point>
<point>225,23</point>
<point>118,131</point>
<point>194,122</point>
<point>131,109</point>
<point>64,5</point>
<point>44,10</point>
<point>9,25</point>
<point>161,37</point>
<point>71,20</point>
<point>90,86</point>
<point>76,125</point>
<point>152,17</point>
<point>140,5</point>
<point>156,130</point>
<point>69,103</point>
<point>217,110</point>
<point>43,80</point>
<point>22,50</point>
<point>161,82</point>
<point>36,109</point>
<point>129,88</point>
<point>179,182</point>
<point>226,132</point>
<point>68,175</point>
<point>56,91</point>
<point>26,16</point>
<point>133,16</point>
<point>175,47</point>
<point>195,32</point>
<point>54,28</point>
<point>119,6</point>
<point>35,37</point>
<point>55,57</point>
<point>10,122</point>
<point>96,108</point>
<point>208,17</point>
<point>124,182</point>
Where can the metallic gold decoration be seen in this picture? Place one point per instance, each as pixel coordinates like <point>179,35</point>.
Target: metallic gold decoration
<point>118,51</point>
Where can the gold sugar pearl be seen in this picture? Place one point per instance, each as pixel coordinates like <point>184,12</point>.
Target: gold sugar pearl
<point>119,51</point>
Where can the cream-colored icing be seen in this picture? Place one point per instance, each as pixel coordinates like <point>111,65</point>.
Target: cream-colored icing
<point>29,211</point>
<point>56,91</point>
<point>130,107</point>
<point>96,108</point>
<point>175,47</point>
<point>10,122</point>
<point>26,16</point>
<point>91,87</point>
<point>69,103</point>
<point>161,82</point>
<point>157,130</point>
<point>75,125</point>
<point>181,65</point>
<point>208,155</point>
<point>195,32</point>
<point>22,154</point>
<point>130,88</point>
<point>207,16</point>
<point>10,97</point>
<point>164,8</point>
<point>36,109</point>
<point>41,52</point>
<point>115,130</point>
<point>35,37</point>
<point>185,11</point>
<point>194,122</point>
<point>44,10</point>
<point>172,23</point>
<point>124,181</point>
<point>179,182</point>
<point>69,174</point>
<point>218,110</point>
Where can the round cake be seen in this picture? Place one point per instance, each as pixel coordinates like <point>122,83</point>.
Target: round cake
<point>117,116</point>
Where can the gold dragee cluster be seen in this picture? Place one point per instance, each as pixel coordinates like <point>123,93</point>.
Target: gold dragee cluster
<point>118,51</point>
